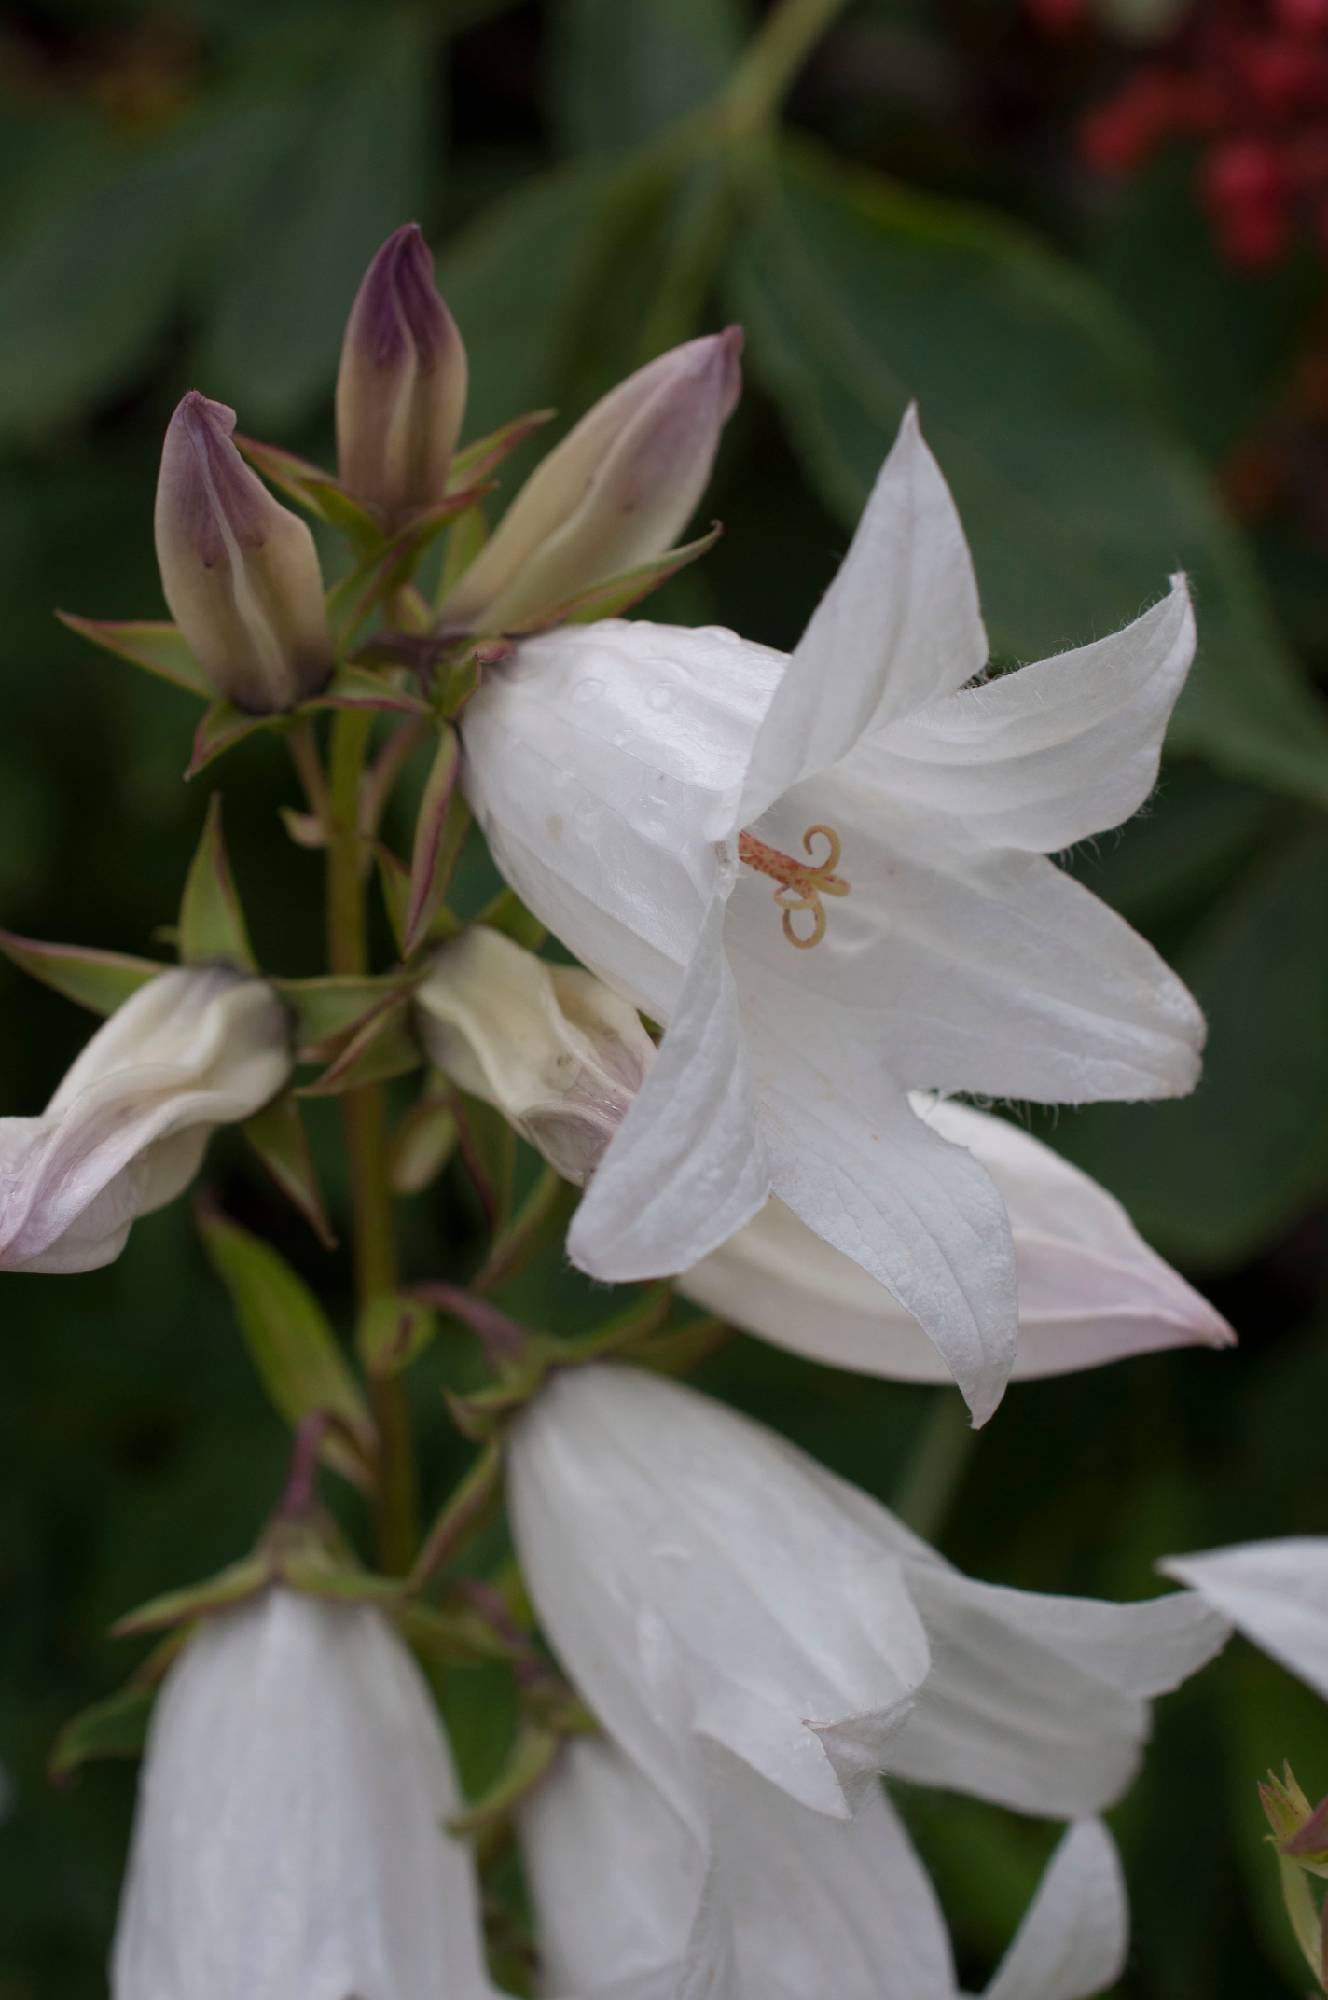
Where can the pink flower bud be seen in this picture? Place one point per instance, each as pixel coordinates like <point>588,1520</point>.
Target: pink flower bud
<point>239,571</point>
<point>401,392</point>
<point>616,492</point>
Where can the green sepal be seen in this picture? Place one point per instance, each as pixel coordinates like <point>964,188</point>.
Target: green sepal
<point>311,488</point>
<point>508,914</point>
<point>470,531</point>
<point>152,643</point>
<point>479,458</point>
<point>613,595</point>
<point>224,725</point>
<point>116,1726</point>
<point>313,1573</point>
<point>432,855</point>
<point>453,1638</point>
<point>237,1584</point>
<point>488,1820</point>
<point>212,927</point>
<point>423,1142</point>
<point>543,1215</point>
<point>291,1343</point>
<point>487,1145</point>
<point>278,1136</point>
<point>383,1046</point>
<point>392,1330</point>
<point>394,882</point>
<point>328,1009</point>
<point>356,686</point>
<point>466,1510</point>
<point>98,980</point>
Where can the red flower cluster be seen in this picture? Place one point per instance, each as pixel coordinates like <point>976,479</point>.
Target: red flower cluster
<point>1247,79</point>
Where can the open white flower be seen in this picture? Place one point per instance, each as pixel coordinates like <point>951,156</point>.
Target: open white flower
<point>1090,1289</point>
<point>628,1903</point>
<point>290,1841</point>
<point>829,877</point>
<point>126,1131</point>
<point>1275,1592</point>
<point>699,1576</point>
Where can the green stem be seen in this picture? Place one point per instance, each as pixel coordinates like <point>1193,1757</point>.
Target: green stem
<point>366,1140</point>
<point>935,1472</point>
<point>772,61</point>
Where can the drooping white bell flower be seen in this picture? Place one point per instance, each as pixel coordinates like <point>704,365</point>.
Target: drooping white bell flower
<point>291,1842</point>
<point>1090,1289</point>
<point>628,1902</point>
<point>699,1576</point>
<point>126,1130</point>
<point>829,877</point>
<point>1275,1592</point>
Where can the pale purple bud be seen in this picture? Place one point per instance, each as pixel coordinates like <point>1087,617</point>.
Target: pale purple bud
<point>548,1045</point>
<point>616,492</point>
<point>401,392</point>
<point>239,571</point>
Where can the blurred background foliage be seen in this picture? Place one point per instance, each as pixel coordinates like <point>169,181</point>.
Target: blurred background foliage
<point>188,195</point>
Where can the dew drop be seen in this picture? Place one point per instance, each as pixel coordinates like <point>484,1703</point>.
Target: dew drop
<point>587,691</point>
<point>660,698</point>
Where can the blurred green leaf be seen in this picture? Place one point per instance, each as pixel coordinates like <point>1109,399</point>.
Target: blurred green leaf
<point>624,74</point>
<point>1076,496</point>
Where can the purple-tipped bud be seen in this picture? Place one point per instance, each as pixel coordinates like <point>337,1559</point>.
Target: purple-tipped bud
<point>240,572</point>
<point>616,492</point>
<point>401,392</point>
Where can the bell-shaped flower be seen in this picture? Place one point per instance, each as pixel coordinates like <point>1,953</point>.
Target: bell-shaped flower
<point>829,876</point>
<point>290,1841</point>
<point>239,571</point>
<point>401,389</point>
<point>615,493</point>
<point>126,1130</point>
<point>548,1045</point>
<point>1276,1593</point>
<point>1090,1289</point>
<point>699,1576</point>
<point>771,1896</point>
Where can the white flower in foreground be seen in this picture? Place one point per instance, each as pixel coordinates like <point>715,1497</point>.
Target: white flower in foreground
<point>550,1046</point>
<point>699,1576</point>
<point>829,877</point>
<point>1276,1593</point>
<point>126,1131</point>
<point>290,1840</point>
<point>779,1903</point>
<point>1090,1289</point>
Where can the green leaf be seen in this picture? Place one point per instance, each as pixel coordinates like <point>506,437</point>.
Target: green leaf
<point>432,854</point>
<point>278,1136</point>
<point>212,926</point>
<point>116,1727</point>
<point>100,980</point>
<point>1076,495</point>
<point>151,643</point>
<point>624,74</point>
<point>289,1339</point>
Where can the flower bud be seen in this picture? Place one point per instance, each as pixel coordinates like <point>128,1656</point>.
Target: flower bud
<point>548,1045</point>
<point>616,492</point>
<point>290,1838</point>
<point>126,1131</point>
<point>240,572</point>
<point>401,391</point>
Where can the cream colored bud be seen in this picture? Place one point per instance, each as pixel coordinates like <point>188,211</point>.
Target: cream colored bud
<point>616,492</point>
<point>239,571</point>
<point>401,391</point>
<point>548,1045</point>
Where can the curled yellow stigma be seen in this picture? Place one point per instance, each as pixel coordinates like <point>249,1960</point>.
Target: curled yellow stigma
<point>799,885</point>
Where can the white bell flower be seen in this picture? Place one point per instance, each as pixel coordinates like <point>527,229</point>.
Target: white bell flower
<point>126,1131</point>
<point>1275,1592</point>
<point>829,877</point>
<point>1090,1289</point>
<point>699,1576</point>
<point>628,1903</point>
<point>290,1841</point>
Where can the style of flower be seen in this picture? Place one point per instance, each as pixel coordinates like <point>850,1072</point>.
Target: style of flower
<point>290,1840</point>
<point>829,877</point>
<point>698,1576</point>
<point>126,1131</point>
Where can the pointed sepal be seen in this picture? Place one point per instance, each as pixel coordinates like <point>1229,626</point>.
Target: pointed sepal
<point>212,930</point>
<point>614,595</point>
<point>434,854</point>
<point>152,643</point>
<point>278,1136</point>
<point>98,980</point>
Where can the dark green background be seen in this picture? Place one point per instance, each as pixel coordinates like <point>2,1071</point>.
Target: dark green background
<point>187,197</point>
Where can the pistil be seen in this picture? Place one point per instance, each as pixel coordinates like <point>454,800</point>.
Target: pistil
<point>800,885</point>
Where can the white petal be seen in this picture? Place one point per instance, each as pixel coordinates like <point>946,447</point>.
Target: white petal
<point>992,972</point>
<point>1054,753</point>
<point>1275,1592</point>
<point>850,1159</point>
<point>695,1576</point>
<point>687,1166</point>
<point>290,1839</point>
<point>1072,1943</point>
<point>603,762</point>
<point>898,628</point>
